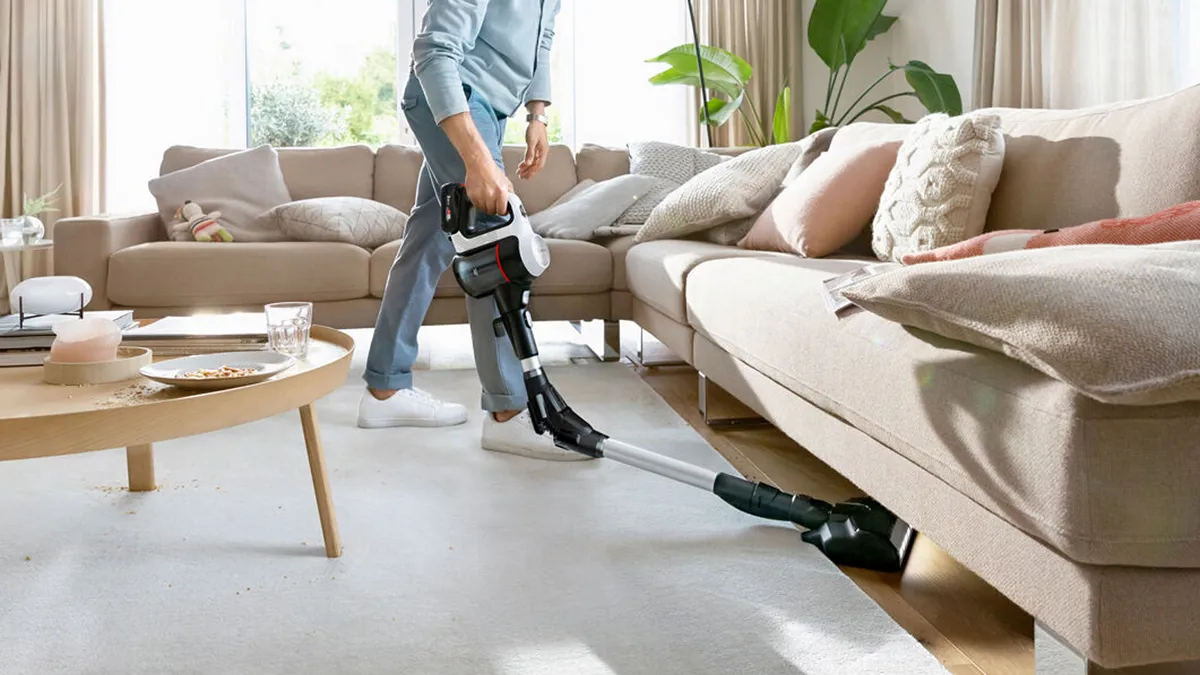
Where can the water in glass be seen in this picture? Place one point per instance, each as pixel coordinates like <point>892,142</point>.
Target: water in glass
<point>288,327</point>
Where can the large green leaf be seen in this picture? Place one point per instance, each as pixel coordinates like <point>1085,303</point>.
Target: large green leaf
<point>721,62</point>
<point>936,91</point>
<point>782,122</point>
<point>893,114</point>
<point>719,82</point>
<point>839,29</point>
<point>882,25</point>
<point>719,111</point>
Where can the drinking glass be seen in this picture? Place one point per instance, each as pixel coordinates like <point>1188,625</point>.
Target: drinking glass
<point>12,231</point>
<point>288,326</point>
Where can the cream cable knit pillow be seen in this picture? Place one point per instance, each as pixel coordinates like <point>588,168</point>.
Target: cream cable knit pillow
<point>940,188</point>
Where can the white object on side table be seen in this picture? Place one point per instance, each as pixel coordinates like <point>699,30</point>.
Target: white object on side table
<point>49,295</point>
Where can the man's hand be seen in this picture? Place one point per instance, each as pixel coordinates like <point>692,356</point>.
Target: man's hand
<point>537,148</point>
<point>488,187</point>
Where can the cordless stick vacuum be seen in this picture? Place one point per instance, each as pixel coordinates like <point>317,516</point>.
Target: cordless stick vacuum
<point>501,256</point>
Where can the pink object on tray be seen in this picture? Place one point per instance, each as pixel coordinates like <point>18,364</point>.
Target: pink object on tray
<point>88,340</point>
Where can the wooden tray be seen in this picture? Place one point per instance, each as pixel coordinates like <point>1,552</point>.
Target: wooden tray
<point>125,367</point>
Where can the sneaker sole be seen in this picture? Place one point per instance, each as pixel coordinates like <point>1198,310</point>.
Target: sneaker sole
<point>424,423</point>
<point>557,455</point>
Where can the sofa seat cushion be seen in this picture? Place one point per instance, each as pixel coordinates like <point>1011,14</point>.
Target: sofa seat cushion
<point>1104,484</point>
<point>194,274</point>
<point>576,268</point>
<point>619,247</point>
<point>656,270</point>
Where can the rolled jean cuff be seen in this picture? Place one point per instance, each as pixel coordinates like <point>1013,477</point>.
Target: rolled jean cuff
<point>502,402</point>
<point>387,382</point>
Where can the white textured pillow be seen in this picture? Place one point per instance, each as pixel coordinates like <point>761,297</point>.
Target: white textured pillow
<point>672,166</point>
<point>1116,323</point>
<point>241,185</point>
<point>939,190</point>
<point>733,190</point>
<point>352,220</point>
<point>580,213</point>
<point>573,192</point>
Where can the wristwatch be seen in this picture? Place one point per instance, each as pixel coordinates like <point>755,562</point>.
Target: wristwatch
<point>533,117</point>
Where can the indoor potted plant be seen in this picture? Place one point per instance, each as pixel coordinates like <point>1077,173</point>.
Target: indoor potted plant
<point>32,227</point>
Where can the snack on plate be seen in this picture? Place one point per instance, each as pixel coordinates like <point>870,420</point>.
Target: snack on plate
<point>218,373</point>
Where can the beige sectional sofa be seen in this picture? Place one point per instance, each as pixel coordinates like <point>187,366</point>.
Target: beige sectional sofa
<point>130,264</point>
<point>1087,515</point>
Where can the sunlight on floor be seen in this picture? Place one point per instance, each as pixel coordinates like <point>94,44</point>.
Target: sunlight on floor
<point>573,658</point>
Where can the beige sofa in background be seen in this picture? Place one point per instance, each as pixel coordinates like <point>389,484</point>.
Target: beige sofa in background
<point>1086,515</point>
<point>130,263</point>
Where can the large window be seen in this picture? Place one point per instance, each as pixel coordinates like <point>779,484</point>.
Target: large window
<point>174,75</point>
<point>319,77</point>
<point>239,73</point>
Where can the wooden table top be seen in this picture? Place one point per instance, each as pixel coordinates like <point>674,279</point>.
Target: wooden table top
<point>39,419</point>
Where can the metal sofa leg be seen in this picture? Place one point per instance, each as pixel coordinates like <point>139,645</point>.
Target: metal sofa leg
<point>641,354</point>
<point>721,410</point>
<point>1053,656</point>
<point>601,336</point>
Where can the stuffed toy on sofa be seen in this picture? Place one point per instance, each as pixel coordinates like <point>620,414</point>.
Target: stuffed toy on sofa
<point>203,226</point>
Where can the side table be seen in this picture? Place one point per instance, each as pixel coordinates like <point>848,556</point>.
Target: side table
<point>13,257</point>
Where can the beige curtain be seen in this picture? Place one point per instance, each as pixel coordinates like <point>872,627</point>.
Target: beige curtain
<point>766,33</point>
<point>51,112</point>
<point>1077,53</point>
<point>52,117</point>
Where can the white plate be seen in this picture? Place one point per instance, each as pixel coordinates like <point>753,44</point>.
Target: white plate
<point>266,365</point>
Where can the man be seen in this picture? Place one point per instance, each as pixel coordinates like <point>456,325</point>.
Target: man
<point>475,64</point>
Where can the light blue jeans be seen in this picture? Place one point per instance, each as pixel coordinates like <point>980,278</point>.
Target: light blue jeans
<point>425,254</point>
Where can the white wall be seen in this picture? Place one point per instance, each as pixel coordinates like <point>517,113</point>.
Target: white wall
<point>939,32</point>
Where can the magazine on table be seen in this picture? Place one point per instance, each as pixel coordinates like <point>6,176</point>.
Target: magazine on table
<point>37,332</point>
<point>834,300</point>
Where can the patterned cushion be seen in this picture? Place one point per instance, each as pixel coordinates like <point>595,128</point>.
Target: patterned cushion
<point>352,220</point>
<point>734,190</point>
<point>672,165</point>
<point>940,188</point>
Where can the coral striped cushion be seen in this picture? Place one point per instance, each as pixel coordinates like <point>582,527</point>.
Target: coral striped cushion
<point>1178,223</point>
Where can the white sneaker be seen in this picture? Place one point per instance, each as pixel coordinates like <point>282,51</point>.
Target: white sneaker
<point>517,437</point>
<point>408,408</point>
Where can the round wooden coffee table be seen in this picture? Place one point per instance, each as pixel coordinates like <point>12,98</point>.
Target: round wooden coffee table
<point>44,420</point>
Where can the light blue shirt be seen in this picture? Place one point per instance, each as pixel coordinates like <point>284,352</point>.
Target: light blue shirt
<point>500,48</point>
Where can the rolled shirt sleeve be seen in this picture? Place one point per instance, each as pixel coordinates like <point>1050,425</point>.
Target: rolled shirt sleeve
<point>449,31</point>
<point>539,88</point>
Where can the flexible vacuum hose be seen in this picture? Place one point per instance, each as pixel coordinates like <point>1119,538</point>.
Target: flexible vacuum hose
<point>765,501</point>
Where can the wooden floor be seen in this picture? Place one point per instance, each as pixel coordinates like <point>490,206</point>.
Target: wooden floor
<point>963,621</point>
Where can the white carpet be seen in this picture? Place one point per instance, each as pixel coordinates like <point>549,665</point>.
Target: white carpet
<point>456,560</point>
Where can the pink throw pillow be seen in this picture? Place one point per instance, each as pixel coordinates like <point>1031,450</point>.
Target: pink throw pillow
<point>828,205</point>
<point>1178,223</point>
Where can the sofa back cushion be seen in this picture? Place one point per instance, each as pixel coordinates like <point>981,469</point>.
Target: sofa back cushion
<point>552,182</point>
<point>600,162</point>
<point>397,168</point>
<point>1068,167</point>
<point>309,172</point>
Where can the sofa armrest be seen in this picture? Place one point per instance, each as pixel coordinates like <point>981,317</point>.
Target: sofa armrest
<point>82,247</point>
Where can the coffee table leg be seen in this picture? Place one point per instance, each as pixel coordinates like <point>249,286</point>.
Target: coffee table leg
<point>140,459</point>
<point>316,462</point>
